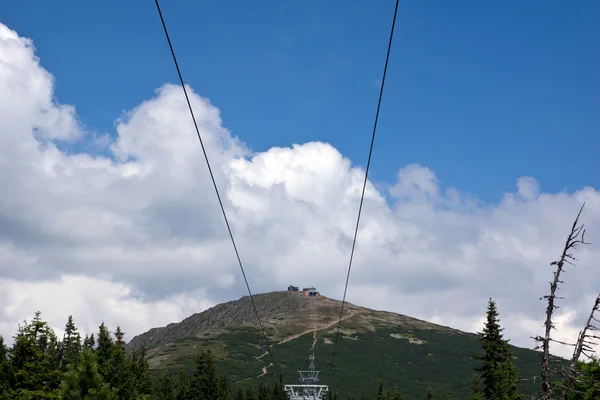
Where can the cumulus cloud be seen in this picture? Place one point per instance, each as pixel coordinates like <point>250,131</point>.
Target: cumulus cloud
<point>134,236</point>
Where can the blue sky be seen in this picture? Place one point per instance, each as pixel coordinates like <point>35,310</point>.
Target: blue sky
<point>481,92</point>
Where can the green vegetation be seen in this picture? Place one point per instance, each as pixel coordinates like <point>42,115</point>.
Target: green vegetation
<point>380,364</point>
<point>498,373</point>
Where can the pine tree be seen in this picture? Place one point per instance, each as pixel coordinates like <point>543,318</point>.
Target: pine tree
<point>123,369</point>
<point>119,336</point>
<point>278,392</point>
<point>104,351</point>
<point>165,388</point>
<point>263,392</point>
<point>83,381</point>
<point>250,394</point>
<point>33,359</point>
<point>6,377</point>
<point>239,395</point>
<point>206,383</point>
<point>141,369</point>
<point>71,345</point>
<point>184,388</point>
<point>224,387</point>
<point>89,342</point>
<point>500,377</point>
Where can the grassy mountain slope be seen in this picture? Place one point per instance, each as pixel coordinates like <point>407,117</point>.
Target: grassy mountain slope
<point>406,352</point>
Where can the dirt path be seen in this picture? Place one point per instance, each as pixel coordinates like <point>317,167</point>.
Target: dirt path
<point>262,355</point>
<point>287,339</point>
<point>314,329</point>
<point>264,370</point>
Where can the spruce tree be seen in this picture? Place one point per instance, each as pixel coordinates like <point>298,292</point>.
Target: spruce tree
<point>263,392</point>
<point>141,369</point>
<point>239,395</point>
<point>71,345</point>
<point>165,387</point>
<point>89,342</point>
<point>206,384</point>
<point>119,337</point>
<point>183,388</point>
<point>104,351</point>
<point>499,375</point>
<point>33,359</point>
<point>83,381</point>
<point>6,376</point>
<point>250,394</point>
<point>278,390</point>
<point>123,369</point>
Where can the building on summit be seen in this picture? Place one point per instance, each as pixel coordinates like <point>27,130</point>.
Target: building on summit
<point>311,291</point>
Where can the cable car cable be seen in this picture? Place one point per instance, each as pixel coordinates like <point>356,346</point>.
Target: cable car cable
<point>212,177</point>
<point>387,58</point>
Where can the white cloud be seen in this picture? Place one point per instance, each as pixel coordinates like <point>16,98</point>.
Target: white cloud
<point>137,239</point>
<point>88,300</point>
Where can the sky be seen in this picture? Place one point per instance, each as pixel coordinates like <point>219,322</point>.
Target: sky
<point>486,149</point>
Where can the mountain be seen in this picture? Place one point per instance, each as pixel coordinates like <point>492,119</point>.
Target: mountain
<point>405,352</point>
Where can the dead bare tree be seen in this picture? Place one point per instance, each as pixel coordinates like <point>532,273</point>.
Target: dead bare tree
<point>575,238</point>
<point>584,344</point>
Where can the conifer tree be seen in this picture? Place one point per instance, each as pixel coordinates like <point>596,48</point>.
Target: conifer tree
<point>104,351</point>
<point>250,394</point>
<point>239,395</point>
<point>119,337</point>
<point>71,345</point>
<point>123,371</point>
<point>206,383</point>
<point>83,381</point>
<point>141,369</point>
<point>183,388</point>
<point>6,377</point>
<point>224,387</point>
<point>33,359</point>
<point>89,342</point>
<point>278,392</point>
<point>499,375</point>
<point>165,388</point>
<point>263,393</point>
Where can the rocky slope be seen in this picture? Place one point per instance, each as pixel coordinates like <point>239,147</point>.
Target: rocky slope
<point>407,353</point>
<point>283,314</point>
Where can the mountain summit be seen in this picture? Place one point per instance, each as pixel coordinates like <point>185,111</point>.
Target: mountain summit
<point>284,315</point>
<point>404,351</point>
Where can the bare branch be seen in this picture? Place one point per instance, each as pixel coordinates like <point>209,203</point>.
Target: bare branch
<point>575,238</point>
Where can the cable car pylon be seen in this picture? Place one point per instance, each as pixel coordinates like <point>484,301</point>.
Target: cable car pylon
<point>308,387</point>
